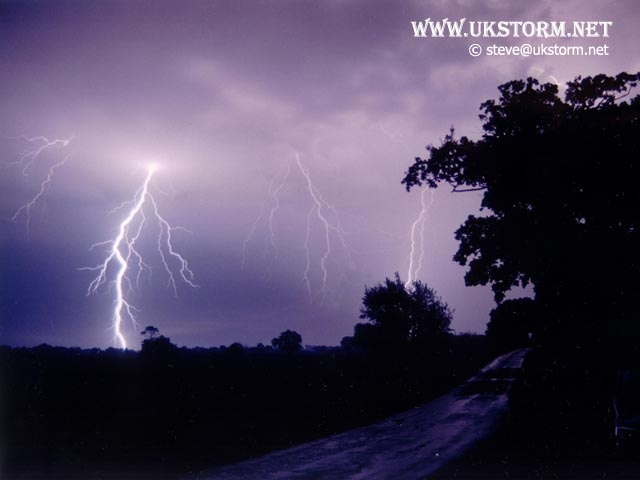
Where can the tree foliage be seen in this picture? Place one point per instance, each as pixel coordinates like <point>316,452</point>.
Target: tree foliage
<point>288,342</point>
<point>156,344</point>
<point>150,332</point>
<point>401,315</point>
<point>560,180</point>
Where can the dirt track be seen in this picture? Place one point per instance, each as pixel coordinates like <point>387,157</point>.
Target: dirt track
<point>409,445</point>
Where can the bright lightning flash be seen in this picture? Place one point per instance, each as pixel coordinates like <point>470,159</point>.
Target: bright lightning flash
<point>125,257</point>
<point>415,265</point>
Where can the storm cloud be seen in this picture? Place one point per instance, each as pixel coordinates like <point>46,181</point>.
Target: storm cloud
<point>225,96</point>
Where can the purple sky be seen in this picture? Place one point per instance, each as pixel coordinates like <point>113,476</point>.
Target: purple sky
<point>223,95</point>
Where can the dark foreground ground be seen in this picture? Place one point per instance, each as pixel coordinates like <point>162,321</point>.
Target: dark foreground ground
<point>507,455</point>
<point>69,414</point>
<point>406,446</point>
<point>559,423</point>
<point>166,414</point>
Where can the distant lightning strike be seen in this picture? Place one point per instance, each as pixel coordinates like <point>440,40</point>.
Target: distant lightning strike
<point>246,241</point>
<point>275,206</point>
<point>416,252</point>
<point>124,255</point>
<point>329,223</point>
<point>44,186</point>
<point>317,208</point>
<point>38,145</point>
<point>418,245</point>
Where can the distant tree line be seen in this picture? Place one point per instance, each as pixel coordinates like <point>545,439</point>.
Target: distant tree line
<point>169,411</point>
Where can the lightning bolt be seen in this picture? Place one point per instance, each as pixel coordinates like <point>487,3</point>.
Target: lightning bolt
<point>37,147</point>
<point>124,256</point>
<point>246,241</point>
<point>318,207</point>
<point>39,144</point>
<point>44,187</point>
<point>416,246</point>
<point>275,206</point>
<point>325,214</point>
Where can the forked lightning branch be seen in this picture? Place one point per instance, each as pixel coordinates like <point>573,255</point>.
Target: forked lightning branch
<point>124,262</point>
<point>37,147</point>
<point>322,212</point>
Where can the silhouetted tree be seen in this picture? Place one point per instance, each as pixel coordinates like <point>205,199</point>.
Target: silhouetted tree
<point>156,344</point>
<point>402,315</point>
<point>560,181</point>
<point>288,341</point>
<point>151,332</point>
<point>236,348</point>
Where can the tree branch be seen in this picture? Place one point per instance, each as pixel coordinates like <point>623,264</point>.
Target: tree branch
<point>464,190</point>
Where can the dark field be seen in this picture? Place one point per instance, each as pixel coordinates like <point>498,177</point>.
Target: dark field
<point>71,413</point>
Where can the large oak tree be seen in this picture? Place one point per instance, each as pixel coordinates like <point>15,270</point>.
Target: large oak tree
<point>561,201</point>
